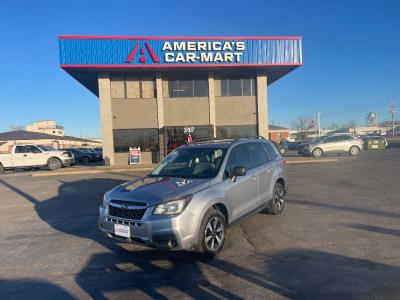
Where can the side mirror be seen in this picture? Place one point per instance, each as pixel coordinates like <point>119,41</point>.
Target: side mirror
<point>239,171</point>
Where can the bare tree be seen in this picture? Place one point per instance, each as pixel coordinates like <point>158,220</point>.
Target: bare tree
<point>302,123</point>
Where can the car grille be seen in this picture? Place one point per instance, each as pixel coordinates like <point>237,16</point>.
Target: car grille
<point>125,212</point>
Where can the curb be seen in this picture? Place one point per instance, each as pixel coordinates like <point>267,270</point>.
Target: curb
<point>90,172</point>
<point>311,161</point>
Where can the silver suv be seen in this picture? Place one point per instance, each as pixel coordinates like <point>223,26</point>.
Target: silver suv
<point>333,144</point>
<point>191,196</point>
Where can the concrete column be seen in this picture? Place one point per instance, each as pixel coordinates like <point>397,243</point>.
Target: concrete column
<point>106,117</point>
<point>262,105</point>
<point>211,102</point>
<point>160,113</point>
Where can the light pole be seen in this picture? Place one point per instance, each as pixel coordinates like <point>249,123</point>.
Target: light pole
<point>319,123</point>
<point>392,111</point>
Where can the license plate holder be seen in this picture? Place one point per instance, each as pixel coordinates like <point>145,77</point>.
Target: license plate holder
<point>122,230</point>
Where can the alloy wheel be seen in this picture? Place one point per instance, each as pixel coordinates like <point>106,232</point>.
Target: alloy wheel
<point>279,197</point>
<point>214,234</point>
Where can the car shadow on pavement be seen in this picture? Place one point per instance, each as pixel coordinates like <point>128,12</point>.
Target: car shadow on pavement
<point>377,229</point>
<point>31,289</point>
<point>137,271</point>
<point>345,208</point>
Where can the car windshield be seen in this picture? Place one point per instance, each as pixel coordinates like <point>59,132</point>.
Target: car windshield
<point>45,148</point>
<point>191,163</point>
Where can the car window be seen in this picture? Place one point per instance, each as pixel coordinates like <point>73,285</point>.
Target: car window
<point>271,151</point>
<point>20,149</point>
<point>191,163</point>
<point>239,157</point>
<point>257,153</point>
<point>33,149</point>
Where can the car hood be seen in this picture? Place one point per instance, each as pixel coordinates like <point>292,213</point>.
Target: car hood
<point>154,190</point>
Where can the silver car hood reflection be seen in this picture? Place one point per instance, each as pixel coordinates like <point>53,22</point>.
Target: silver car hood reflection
<point>154,190</point>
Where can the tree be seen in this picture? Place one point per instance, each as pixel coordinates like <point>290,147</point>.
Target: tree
<point>302,123</point>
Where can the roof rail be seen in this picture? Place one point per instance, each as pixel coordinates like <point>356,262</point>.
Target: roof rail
<point>216,140</point>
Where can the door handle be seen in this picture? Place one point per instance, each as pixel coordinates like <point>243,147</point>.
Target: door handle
<point>269,170</point>
<point>25,155</point>
<point>254,177</point>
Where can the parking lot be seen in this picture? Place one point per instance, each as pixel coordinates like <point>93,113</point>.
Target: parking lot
<point>339,237</point>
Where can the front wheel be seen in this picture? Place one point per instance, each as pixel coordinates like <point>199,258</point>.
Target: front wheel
<point>317,152</point>
<point>212,233</point>
<point>54,164</point>
<point>354,151</point>
<point>278,200</point>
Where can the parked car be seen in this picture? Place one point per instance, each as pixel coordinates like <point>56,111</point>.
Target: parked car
<point>81,156</point>
<point>195,193</point>
<point>281,147</point>
<point>333,144</point>
<point>377,139</point>
<point>30,156</point>
<point>95,154</point>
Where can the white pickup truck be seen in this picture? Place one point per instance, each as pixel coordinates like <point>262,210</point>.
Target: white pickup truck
<point>29,155</point>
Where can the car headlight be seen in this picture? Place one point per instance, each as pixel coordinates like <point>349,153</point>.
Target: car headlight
<point>172,207</point>
<point>106,199</point>
<point>65,154</point>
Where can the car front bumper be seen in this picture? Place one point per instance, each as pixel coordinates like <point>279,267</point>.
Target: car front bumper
<point>68,162</point>
<point>164,232</point>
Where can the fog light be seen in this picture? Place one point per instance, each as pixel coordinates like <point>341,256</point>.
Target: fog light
<point>171,244</point>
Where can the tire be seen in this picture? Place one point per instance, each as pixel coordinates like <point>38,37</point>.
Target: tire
<point>212,233</point>
<point>317,152</point>
<point>1,169</point>
<point>85,160</point>
<point>54,164</point>
<point>278,200</point>
<point>354,151</point>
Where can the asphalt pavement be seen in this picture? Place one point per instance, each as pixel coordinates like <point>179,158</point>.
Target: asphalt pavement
<point>339,238</point>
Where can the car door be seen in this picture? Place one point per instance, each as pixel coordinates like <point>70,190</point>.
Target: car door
<point>330,144</point>
<point>263,168</point>
<point>19,156</point>
<point>34,156</point>
<point>242,191</point>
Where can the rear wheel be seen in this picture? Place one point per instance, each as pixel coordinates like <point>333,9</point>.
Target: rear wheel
<point>278,200</point>
<point>354,151</point>
<point>317,152</point>
<point>54,164</point>
<point>1,168</point>
<point>212,233</point>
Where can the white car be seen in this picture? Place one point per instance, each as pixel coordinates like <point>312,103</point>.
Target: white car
<point>30,155</point>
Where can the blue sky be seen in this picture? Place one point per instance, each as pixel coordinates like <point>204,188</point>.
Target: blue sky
<point>351,53</point>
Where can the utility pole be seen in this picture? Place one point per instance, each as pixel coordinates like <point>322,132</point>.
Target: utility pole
<point>392,111</point>
<point>319,123</point>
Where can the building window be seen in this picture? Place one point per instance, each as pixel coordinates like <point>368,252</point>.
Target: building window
<point>180,135</point>
<point>132,87</point>
<point>146,139</point>
<point>188,88</point>
<point>232,132</point>
<point>237,87</point>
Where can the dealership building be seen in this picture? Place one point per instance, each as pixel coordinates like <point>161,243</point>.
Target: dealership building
<point>157,93</point>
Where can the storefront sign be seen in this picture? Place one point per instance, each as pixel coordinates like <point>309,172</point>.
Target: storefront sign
<point>188,129</point>
<point>134,156</point>
<point>81,51</point>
